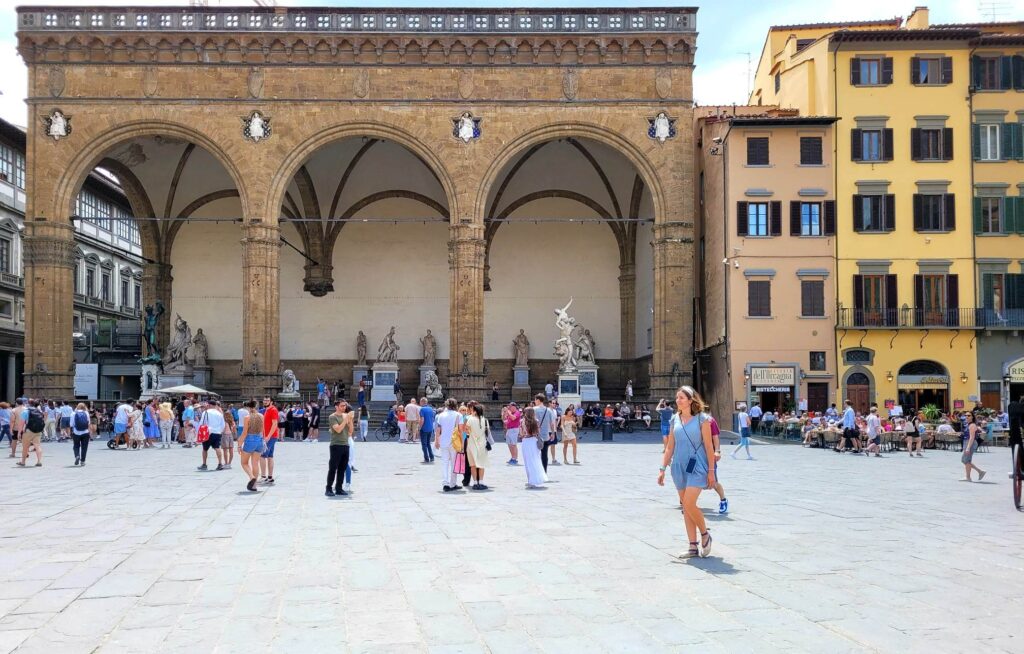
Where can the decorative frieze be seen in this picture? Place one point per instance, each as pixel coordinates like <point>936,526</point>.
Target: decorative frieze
<point>48,251</point>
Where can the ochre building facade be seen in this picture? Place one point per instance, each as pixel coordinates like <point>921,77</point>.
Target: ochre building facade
<point>301,174</point>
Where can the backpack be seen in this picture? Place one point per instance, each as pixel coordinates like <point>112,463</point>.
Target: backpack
<point>81,421</point>
<point>35,423</point>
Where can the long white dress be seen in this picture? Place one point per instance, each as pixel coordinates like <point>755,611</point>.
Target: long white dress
<point>531,461</point>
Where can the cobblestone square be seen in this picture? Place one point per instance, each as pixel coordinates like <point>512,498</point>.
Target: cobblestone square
<point>819,553</point>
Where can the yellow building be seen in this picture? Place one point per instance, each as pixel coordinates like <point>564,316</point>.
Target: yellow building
<point>907,319</point>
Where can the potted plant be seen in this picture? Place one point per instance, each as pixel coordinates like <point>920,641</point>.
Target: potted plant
<point>932,413</point>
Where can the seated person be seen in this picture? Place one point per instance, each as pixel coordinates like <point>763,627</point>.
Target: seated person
<point>626,412</point>
<point>645,415</point>
<point>808,431</point>
<point>617,416</point>
<point>945,428</point>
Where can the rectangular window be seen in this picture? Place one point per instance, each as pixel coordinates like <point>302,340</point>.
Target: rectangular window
<point>810,151</point>
<point>12,166</point>
<point>934,213</point>
<point>810,219</point>
<point>989,215</point>
<point>871,145</point>
<point>90,282</point>
<point>76,281</point>
<point>874,213</point>
<point>929,70</point>
<point>817,361</point>
<point>5,255</point>
<point>105,287</point>
<point>987,74</point>
<point>759,298</point>
<point>812,298</point>
<point>125,297</point>
<point>138,297</point>
<point>870,71</point>
<point>757,219</point>
<point>932,301</point>
<point>76,324</point>
<point>870,299</point>
<point>931,144</point>
<point>757,151</point>
<point>988,142</point>
<point>6,308</point>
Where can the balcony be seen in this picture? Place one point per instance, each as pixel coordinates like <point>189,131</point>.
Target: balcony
<point>1003,319</point>
<point>8,279</point>
<point>907,318</point>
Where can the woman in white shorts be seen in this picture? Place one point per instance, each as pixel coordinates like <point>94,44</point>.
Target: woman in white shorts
<point>569,435</point>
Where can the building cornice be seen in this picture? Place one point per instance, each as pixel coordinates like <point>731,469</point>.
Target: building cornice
<point>305,36</point>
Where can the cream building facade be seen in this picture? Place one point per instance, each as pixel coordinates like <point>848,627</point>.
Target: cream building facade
<point>302,174</point>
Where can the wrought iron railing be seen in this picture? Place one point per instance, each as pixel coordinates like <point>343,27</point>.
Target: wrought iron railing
<point>909,318</point>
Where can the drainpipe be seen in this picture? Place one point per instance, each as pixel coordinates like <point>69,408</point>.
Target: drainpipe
<point>835,194</point>
<point>1004,392</point>
<point>725,250</point>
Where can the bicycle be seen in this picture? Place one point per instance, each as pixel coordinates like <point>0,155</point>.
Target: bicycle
<point>386,431</point>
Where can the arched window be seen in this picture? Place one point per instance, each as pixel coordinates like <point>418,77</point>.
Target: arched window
<point>858,379</point>
<point>923,368</point>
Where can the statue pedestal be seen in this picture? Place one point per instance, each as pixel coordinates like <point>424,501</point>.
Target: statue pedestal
<point>421,388</point>
<point>287,398</point>
<point>568,390</point>
<point>521,384</point>
<point>588,382</point>
<point>358,373</point>
<point>150,380</point>
<point>384,377</point>
<point>203,376</point>
<point>177,376</point>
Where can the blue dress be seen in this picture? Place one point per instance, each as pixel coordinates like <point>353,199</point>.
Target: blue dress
<point>688,443</point>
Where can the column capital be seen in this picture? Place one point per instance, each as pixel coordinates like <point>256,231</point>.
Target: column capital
<point>51,244</point>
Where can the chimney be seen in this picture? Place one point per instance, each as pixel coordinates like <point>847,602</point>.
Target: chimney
<point>918,20</point>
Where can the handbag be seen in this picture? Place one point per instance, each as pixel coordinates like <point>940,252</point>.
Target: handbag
<point>203,434</point>
<point>460,464</point>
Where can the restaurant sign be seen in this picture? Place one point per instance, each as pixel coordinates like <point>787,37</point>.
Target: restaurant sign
<point>1016,372</point>
<point>773,377</point>
<point>923,382</point>
<point>772,389</point>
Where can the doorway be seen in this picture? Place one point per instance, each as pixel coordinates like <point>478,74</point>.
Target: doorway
<point>817,397</point>
<point>858,392</point>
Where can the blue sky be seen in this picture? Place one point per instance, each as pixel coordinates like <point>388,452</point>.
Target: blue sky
<point>728,30</point>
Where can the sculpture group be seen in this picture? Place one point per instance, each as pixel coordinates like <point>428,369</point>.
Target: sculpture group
<point>575,345</point>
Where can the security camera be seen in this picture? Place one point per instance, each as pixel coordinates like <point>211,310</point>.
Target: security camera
<point>736,265</point>
<point>725,261</point>
<point>717,140</point>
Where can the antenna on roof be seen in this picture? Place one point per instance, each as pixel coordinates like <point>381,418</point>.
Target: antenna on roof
<point>994,10</point>
<point>749,72</point>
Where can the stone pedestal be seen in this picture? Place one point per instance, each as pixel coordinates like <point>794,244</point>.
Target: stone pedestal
<point>287,398</point>
<point>203,376</point>
<point>358,372</point>
<point>384,376</point>
<point>177,376</point>
<point>150,380</point>
<point>589,390</point>
<point>568,389</point>
<point>521,384</point>
<point>421,388</point>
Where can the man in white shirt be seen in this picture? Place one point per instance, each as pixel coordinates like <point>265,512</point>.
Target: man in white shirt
<point>213,418</point>
<point>549,390</point>
<point>444,426</point>
<point>755,417</point>
<point>412,420</point>
<point>874,432</point>
<point>546,419</point>
<point>743,420</point>
<point>121,419</point>
<point>65,420</point>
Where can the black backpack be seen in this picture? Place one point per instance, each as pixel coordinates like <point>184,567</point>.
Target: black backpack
<point>35,423</point>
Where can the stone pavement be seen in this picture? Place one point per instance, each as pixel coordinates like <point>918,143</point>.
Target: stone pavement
<point>819,553</point>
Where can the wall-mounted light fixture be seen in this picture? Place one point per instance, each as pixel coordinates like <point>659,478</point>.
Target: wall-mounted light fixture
<point>888,376</point>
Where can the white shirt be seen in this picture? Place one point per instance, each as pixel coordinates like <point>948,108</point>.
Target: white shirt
<point>549,390</point>
<point>755,412</point>
<point>874,424</point>
<point>744,419</point>
<point>243,416</point>
<point>446,422</point>
<point>213,419</point>
<point>412,411</point>
<point>122,413</point>
<point>66,411</point>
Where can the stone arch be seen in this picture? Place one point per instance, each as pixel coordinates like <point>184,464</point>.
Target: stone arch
<point>554,131</point>
<point>97,149</point>
<point>923,367</point>
<point>299,154</point>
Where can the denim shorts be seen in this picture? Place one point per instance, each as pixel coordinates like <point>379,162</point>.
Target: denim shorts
<point>268,451</point>
<point>253,443</point>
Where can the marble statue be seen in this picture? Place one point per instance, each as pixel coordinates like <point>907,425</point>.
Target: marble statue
<point>149,323</point>
<point>662,127</point>
<point>175,357</point>
<point>521,349</point>
<point>57,125</point>
<point>466,127</point>
<point>429,348</point>
<point>361,349</point>
<point>388,350</point>
<point>585,347</point>
<point>564,347</point>
<point>200,348</point>
<point>289,384</point>
<point>432,386</point>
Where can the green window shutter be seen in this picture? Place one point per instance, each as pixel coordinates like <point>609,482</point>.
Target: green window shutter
<point>1016,149</point>
<point>1006,141</point>
<point>1020,212</point>
<point>986,290</point>
<point>976,141</point>
<point>1005,73</point>
<point>977,215</point>
<point>975,71</point>
<point>1009,215</point>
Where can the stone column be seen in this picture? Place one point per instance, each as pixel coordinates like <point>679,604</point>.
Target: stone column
<point>466,297</point>
<point>261,327</point>
<point>627,312</point>
<point>673,308</point>
<point>49,257</point>
<point>156,285</point>
<point>12,379</point>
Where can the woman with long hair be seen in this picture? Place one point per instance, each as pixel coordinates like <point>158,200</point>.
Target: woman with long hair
<point>970,447</point>
<point>665,418</point>
<point>477,445</point>
<point>530,431</point>
<point>251,444</point>
<point>364,421</point>
<point>569,435</point>
<point>689,449</point>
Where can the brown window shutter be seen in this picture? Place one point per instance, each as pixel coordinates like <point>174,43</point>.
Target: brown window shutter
<point>947,70</point>
<point>891,298</point>
<point>830,218</point>
<point>794,218</point>
<point>858,213</point>
<point>886,70</point>
<point>856,145</point>
<point>918,212</point>
<point>947,143</point>
<point>775,218</point>
<point>741,218</point>
<point>887,147</point>
<point>915,70</point>
<point>889,213</point>
<point>858,292</point>
<point>915,143</point>
<point>855,71</point>
<point>949,219</point>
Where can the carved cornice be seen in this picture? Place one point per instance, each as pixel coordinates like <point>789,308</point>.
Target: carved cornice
<point>49,251</point>
<point>356,49</point>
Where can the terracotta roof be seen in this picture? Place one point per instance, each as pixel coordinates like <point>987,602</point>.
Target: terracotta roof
<point>895,22</point>
<point>847,36</point>
<point>783,120</point>
<point>999,39</point>
<point>1007,23</point>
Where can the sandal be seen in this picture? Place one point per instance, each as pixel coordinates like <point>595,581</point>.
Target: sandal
<point>705,545</point>
<point>690,553</point>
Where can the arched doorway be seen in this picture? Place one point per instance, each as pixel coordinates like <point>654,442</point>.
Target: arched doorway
<point>555,205</point>
<point>364,249</point>
<point>858,391</point>
<point>921,383</point>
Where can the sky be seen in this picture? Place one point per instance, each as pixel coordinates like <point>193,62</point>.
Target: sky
<point>731,32</point>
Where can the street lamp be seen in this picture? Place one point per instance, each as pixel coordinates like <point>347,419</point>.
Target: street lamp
<point>963,377</point>
<point>888,376</point>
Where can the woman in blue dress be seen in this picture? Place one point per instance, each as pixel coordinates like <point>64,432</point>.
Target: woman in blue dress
<point>688,449</point>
